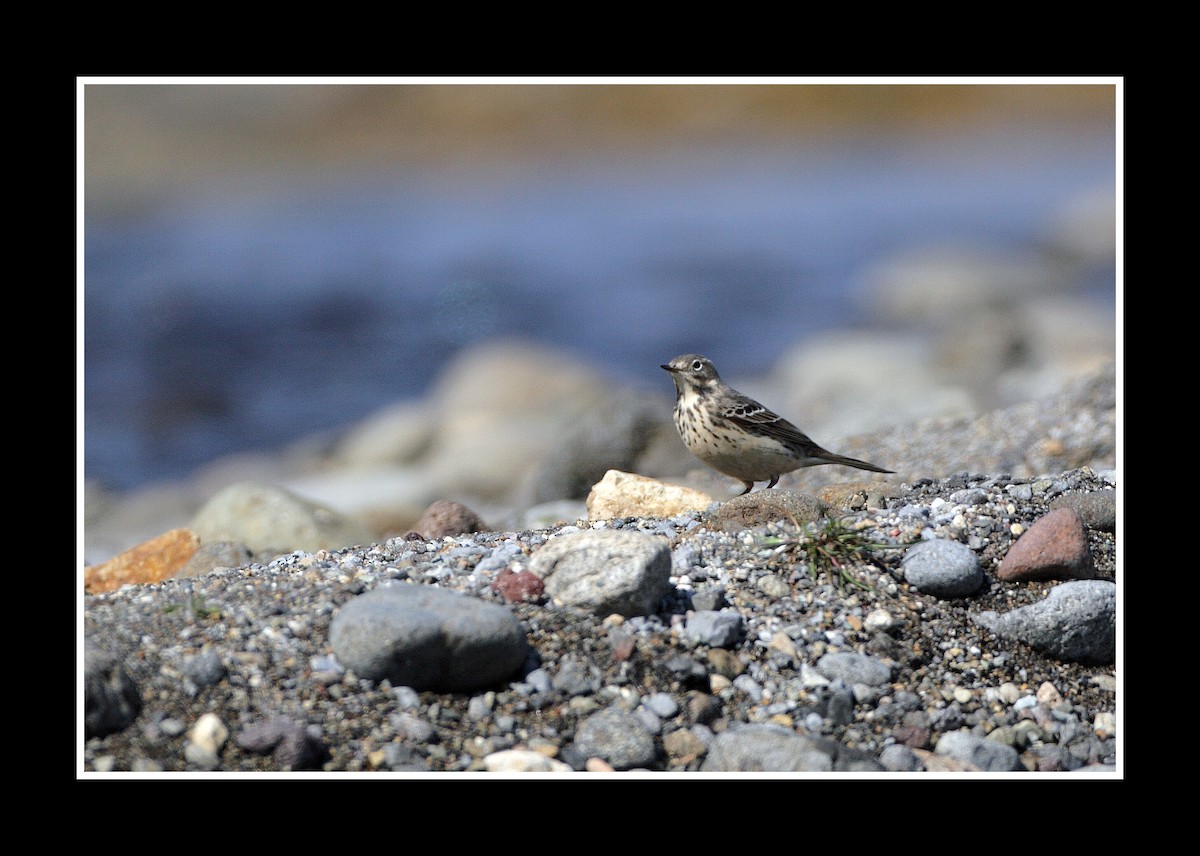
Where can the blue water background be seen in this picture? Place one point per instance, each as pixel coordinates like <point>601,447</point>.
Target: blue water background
<point>241,315</point>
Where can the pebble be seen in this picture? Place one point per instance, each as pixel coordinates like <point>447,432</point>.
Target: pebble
<point>990,756</point>
<point>523,761</point>
<point>427,638</point>
<point>662,705</point>
<point>854,669</point>
<point>204,669</point>
<point>879,620</point>
<point>293,745</point>
<point>943,568</point>
<point>722,629</point>
<point>606,571</point>
<point>205,740</point>
<point>617,737</point>
<point>1105,723</point>
<point>898,758</point>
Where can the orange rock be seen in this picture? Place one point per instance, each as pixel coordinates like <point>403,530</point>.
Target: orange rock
<point>149,562</point>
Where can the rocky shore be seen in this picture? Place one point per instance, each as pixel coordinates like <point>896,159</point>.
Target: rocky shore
<point>959,621</point>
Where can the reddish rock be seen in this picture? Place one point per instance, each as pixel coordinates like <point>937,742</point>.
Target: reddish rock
<point>149,562</point>
<point>623,644</point>
<point>518,586</point>
<point>444,518</point>
<point>1054,548</point>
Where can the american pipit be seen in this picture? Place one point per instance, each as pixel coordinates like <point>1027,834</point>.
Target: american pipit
<point>736,435</point>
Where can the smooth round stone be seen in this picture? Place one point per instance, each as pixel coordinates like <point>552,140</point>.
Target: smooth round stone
<point>425,637</point>
<point>943,568</point>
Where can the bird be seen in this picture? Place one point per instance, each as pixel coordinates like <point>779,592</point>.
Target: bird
<point>737,436</point>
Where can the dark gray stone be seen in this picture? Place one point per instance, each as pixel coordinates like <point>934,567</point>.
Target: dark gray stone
<point>111,700</point>
<point>428,638</point>
<point>1076,621</point>
<point>943,568</point>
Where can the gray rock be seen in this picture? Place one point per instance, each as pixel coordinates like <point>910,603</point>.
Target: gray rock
<point>575,677</point>
<point>1076,621</point>
<point>540,680</point>
<point>662,705</point>
<point>898,758</point>
<point>854,668</point>
<point>270,519</point>
<point>991,756</point>
<point>710,598</point>
<point>773,748</point>
<point>204,669</point>
<point>111,700</point>
<point>1098,508</point>
<point>606,571</point>
<point>428,638</point>
<point>722,629</point>
<point>209,557</point>
<point>409,726</point>
<point>618,737</point>
<point>943,568</point>
<point>969,496</point>
<point>499,558</point>
<point>295,746</point>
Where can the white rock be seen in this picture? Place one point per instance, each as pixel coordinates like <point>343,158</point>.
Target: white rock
<point>523,761</point>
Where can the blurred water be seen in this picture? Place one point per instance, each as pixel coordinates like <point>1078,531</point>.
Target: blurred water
<point>244,315</point>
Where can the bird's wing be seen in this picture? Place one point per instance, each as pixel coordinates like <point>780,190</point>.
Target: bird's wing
<point>751,416</point>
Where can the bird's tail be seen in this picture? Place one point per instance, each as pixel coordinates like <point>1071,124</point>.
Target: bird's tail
<point>855,462</point>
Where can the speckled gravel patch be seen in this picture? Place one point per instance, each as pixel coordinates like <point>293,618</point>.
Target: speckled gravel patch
<point>251,646</point>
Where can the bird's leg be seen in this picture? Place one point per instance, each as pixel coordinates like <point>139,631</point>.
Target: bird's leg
<point>749,487</point>
<point>773,482</point>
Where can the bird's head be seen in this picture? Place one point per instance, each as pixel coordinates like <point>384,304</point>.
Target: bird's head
<point>694,371</point>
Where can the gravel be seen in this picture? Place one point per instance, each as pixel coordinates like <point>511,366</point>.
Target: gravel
<point>248,652</point>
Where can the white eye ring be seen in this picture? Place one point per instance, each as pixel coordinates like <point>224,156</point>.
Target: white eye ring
<point>697,365</point>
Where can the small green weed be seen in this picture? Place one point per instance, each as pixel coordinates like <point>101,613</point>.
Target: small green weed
<point>831,547</point>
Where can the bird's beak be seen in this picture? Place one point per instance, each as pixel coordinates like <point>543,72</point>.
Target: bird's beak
<point>668,368</point>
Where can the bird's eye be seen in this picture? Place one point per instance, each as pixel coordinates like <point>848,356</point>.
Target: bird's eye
<point>697,365</point>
